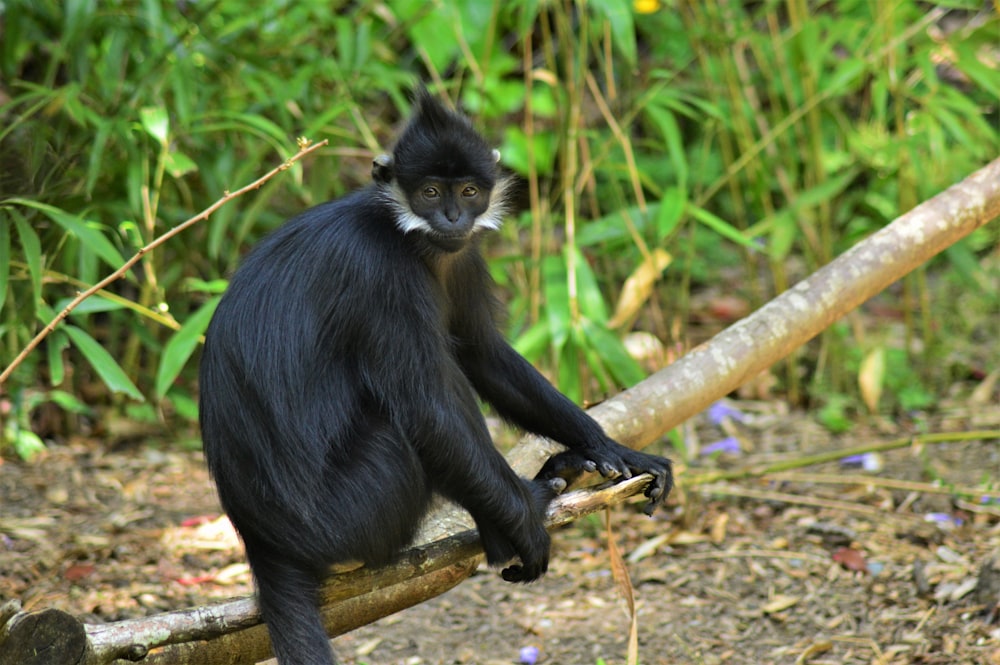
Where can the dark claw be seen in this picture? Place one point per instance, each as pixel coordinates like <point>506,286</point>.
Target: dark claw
<point>609,471</point>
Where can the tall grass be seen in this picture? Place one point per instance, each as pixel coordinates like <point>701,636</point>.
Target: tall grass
<point>666,150</point>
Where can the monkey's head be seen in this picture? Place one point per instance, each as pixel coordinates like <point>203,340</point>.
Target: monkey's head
<point>443,177</point>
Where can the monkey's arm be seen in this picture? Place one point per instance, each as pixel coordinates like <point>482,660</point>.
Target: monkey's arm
<point>411,379</point>
<point>447,428</point>
<point>523,396</point>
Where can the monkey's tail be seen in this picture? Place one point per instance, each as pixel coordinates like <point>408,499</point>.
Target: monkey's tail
<point>287,595</point>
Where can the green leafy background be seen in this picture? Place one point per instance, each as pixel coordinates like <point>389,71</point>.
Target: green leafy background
<point>750,141</point>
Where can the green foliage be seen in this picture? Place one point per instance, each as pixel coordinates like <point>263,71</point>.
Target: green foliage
<point>16,432</point>
<point>835,413</point>
<point>758,137</point>
<point>574,335</point>
<point>181,346</point>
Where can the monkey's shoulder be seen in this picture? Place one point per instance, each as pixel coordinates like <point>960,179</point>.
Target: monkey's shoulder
<point>356,226</point>
<point>355,232</point>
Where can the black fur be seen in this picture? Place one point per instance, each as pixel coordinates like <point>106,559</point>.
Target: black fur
<point>339,382</point>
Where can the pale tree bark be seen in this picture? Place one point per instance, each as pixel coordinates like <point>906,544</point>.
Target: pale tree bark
<point>230,632</point>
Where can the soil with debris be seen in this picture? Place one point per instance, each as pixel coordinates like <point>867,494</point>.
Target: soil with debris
<point>826,564</point>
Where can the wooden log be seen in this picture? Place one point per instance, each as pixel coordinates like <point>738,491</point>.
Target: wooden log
<point>230,632</point>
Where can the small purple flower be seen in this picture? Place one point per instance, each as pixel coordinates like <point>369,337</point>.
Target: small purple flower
<point>870,462</point>
<point>721,411</point>
<point>730,445</point>
<point>943,519</point>
<point>528,655</point>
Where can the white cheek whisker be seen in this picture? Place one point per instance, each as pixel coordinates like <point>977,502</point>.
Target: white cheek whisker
<point>488,221</point>
<point>498,209</point>
<point>406,220</point>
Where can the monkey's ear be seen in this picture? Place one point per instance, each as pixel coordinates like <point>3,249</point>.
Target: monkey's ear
<point>496,156</point>
<point>382,169</point>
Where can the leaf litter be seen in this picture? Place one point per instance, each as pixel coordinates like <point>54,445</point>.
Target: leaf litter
<point>832,564</point>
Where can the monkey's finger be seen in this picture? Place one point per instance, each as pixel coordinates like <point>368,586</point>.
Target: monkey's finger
<point>659,485</point>
<point>611,471</point>
<point>653,504</point>
<point>556,485</point>
<point>566,465</point>
<point>581,464</point>
<point>657,490</point>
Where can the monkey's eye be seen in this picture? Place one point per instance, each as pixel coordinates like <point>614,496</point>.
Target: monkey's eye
<point>431,193</point>
<point>470,191</point>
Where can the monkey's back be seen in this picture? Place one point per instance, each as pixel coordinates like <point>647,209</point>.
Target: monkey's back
<point>289,345</point>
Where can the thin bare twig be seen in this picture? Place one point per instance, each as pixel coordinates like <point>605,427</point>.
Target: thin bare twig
<point>814,502</point>
<point>801,461</point>
<point>306,148</point>
<point>886,483</point>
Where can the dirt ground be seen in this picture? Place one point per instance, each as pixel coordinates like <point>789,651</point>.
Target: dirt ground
<point>828,564</point>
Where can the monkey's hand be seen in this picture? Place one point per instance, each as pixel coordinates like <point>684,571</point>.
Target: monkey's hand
<point>520,534</point>
<point>613,460</point>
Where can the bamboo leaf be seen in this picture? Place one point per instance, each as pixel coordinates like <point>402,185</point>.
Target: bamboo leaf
<point>32,248</point>
<point>619,16</point>
<point>534,341</point>
<point>623,367</point>
<point>568,370</point>
<point>179,164</point>
<point>556,299</point>
<point>588,292</point>
<point>54,346</point>
<point>671,211</point>
<point>90,305</point>
<point>181,345</point>
<point>666,122</point>
<point>78,227</point>
<point>4,261</point>
<point>720,226</point>
<point>111,373</point>
<point>155,121</point>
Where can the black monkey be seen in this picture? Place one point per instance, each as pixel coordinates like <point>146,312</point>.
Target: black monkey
<point>339,381</point>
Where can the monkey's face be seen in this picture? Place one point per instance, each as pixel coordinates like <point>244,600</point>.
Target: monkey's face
<point>442,178</point>
<point>447,211</point>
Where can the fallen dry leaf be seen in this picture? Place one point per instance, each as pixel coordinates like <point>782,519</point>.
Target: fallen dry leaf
<point>779,603</point>
<point>851,559</point>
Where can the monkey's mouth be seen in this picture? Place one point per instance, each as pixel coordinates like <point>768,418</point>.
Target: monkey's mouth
<point>451,242</point>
